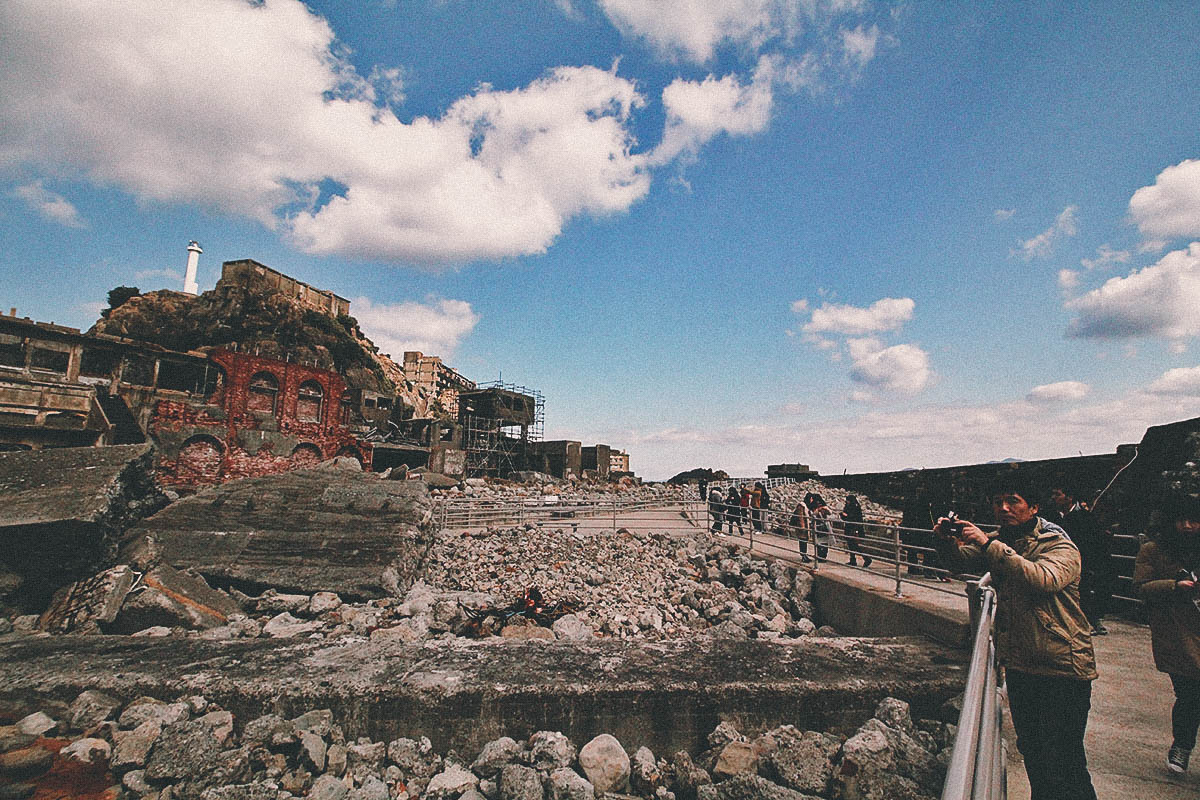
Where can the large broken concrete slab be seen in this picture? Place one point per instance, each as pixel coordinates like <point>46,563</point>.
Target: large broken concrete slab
<point>62,512</point>
<point>460,693</point>
<point>321,529</point>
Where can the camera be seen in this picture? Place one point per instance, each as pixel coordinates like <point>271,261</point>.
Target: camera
<point>953,525</point>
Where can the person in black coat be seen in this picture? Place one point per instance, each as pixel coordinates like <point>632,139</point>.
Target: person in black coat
<point>852,517</point>
<point>1095,545</point>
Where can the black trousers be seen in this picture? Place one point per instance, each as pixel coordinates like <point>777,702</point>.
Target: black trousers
<point>1185,714</point>
<point>1050,716</point>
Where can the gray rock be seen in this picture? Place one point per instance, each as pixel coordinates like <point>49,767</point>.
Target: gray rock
<point>451,783</point>
<point>272,602</point>
<point>36,724</point>
<point>313,750</point>
<point>371,789</point>
<point>494,755</point>
<point>549,750</point>
<point>135,781</point>
<point>87,751</point>
<point>323,602</point>
<point>149,708</point>
<point>895,714</point>
<point>605,763</point>
<point>723,734</point>
<point>185,750</point>
<point>25,763</point>
<point>365,759</point>
<point>335,759</point>
<point>220,723</point>
<point>754,787</point>
<point>736,758</point>
<point>520,783</point>
<point>802,760</point>
<point>566,784</point>
<point>327,787</point>
<point>242,791</point>
<point>689,778</point>
<point>644,775</point>
<point>728,630</point>
<point>269,730</point>
<point>571,628</point>
<point>318,722</point>
<point>132,748</point>
<point>284,625</point>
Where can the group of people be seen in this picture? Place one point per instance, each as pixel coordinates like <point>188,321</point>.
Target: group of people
<point>811,520</point>
<point>1050,604</point>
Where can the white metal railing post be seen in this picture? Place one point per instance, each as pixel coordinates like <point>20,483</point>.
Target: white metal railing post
<point>896,553</point>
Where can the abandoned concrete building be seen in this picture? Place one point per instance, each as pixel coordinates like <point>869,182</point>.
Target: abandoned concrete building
<point>224,413</point>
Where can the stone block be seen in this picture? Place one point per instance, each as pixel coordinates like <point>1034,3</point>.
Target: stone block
<point>173,599</point>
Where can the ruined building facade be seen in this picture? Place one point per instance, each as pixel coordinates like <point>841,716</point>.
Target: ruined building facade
<point>441,381</point>
<point>248,272</point>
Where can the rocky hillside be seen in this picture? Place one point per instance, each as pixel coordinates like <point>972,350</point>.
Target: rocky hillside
<point>264,321</point>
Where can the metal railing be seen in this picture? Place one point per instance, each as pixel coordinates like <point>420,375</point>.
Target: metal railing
<point>904,554</point>
<point>977,766</point>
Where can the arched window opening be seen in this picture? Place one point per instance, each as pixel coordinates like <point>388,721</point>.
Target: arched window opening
<point>263,394</point>
<point>308,403</point>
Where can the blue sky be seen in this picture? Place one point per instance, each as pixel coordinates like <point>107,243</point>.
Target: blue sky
<point>718,233</point>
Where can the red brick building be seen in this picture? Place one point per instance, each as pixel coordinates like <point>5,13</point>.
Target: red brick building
<point>262,416</point>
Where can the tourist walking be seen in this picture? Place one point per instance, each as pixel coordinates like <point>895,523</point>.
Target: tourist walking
<point>733,510</point>
<point>799,524</point>
<point>758,501</point>
<point>821,524</point>
<point>716,510</point>
<point>1042,635</point>
<point>1095,544</point>
<point>852,518</point>
<point>1165,576</point>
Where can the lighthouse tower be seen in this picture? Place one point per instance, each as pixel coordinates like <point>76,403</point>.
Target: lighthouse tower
<point>189,278</point>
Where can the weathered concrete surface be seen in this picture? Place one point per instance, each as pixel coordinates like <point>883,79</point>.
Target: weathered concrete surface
<point>62,512</point>
<point>322,529</point>
<point>462,694</point>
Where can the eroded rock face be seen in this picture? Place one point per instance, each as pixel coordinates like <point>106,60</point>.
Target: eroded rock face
<point>316,530</point>
<point>65,510</point>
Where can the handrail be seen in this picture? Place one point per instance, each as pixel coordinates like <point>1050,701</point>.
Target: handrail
<point>976,769</point>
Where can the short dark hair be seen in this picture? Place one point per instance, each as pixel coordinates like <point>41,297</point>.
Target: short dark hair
<point>1015,483</point>
<point>1181,505</point>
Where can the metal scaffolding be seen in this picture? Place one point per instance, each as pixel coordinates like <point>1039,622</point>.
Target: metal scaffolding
<point>495,435</point>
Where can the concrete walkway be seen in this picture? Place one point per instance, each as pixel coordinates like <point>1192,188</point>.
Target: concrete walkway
<point>1129,729</point>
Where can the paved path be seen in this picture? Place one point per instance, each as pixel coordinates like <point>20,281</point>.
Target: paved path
<point>1129,729</point>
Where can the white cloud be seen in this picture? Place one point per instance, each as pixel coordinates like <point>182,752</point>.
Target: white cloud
<point>692,29</point>
<point>697,111</point>
<point>50,205</point>
<point>880,439</point>
<point>1160,300</point>
<point>799,306</point>
<point>1181,381</point>
<point>1105,257</point>
<point>859,44</point>
<point>1068,280</point>
<point>888,314</point>
<point>250,108</point>
<point>1002,214</point>
<point>1060,392</point>
<point>901,369</point>
<point>1171,207</point>
<point>1041,245</point>
<point>434,328</point>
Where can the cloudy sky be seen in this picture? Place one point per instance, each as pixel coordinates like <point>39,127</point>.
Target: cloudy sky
<point>717,233</point>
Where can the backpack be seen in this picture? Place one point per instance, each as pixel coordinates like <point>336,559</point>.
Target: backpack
<point>766,499</point>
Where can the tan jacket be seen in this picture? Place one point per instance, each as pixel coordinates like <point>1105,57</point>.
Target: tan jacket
<point>1174,620</point>
<point>1040,627</point>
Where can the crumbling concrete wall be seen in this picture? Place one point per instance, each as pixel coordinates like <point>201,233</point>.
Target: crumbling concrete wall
<point>330,528</point>
<point>666,695</point>
<point>62,513</point>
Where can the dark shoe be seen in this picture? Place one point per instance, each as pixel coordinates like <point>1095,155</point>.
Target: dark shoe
<point>866,562</point>
<point>853,561</point>
<point>1099,630</point>
<point>1177,760</point>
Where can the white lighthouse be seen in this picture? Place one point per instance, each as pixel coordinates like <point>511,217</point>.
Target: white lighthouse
<point>189,278</point>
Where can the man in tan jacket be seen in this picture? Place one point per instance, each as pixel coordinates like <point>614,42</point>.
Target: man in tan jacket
<point>1042,635</point>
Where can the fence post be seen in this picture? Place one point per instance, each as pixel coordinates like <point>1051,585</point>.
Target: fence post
<point>896,547</point>
<point>614,514</point>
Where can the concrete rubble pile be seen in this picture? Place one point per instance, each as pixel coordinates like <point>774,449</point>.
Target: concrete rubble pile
<point>64,512</point>
<point>192,749</point>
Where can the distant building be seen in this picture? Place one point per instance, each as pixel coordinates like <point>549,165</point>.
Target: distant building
<point>619,461</point>
<point>797,471</point>
<point>248,272</point>
<point>438,380</point>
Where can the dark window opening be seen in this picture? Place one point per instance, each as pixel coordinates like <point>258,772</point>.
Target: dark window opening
<point>98,363</point>
<point>49,360</point>
<point>12,351</point>
<point>184,377</point>
<point>138,372</point>
<point>264,389</point>
<point>385,402</point>
<point>308,402</point>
